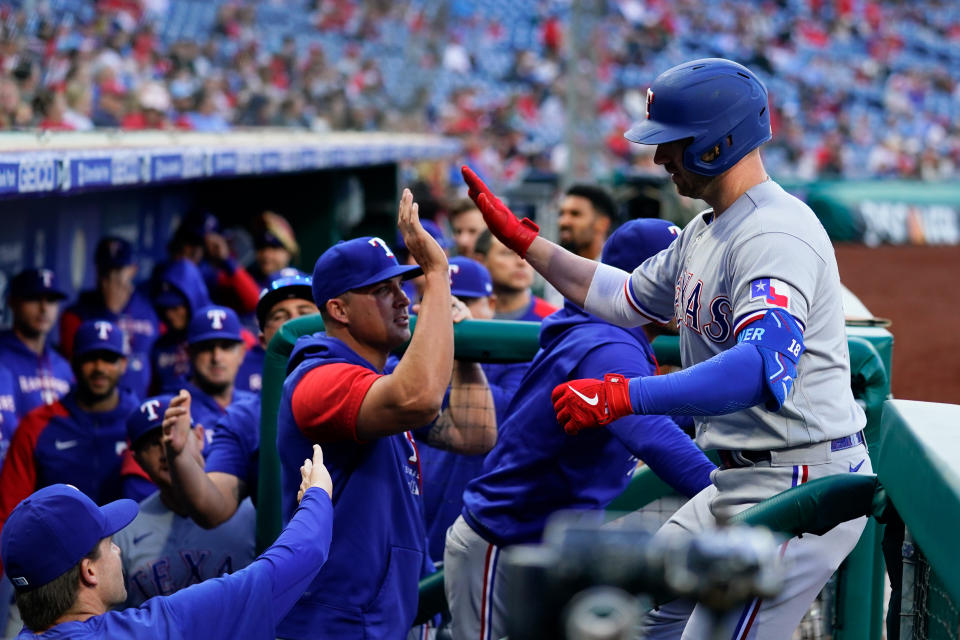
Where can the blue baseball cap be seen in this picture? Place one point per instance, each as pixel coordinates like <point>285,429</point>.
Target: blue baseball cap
<point>49,532</point>
<point>147,417</point>
<point>434,230</point>
<point>284,284</point>
<point>635,241</point>
<point>96,336</point>
<point>35,283</point>
<point>469,278</point>
<point>353,264</point>
<point>111,253</point>
<point>214,323</point>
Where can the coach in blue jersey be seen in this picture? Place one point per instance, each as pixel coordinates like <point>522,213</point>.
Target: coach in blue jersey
<point>58,550</point>
<point>337,394</point>
<point>536,469</point>
<point>116,299</point>
<point>232,458</point>
<point>41,374</point>
<point>163,549</point>
<point>81,438</point>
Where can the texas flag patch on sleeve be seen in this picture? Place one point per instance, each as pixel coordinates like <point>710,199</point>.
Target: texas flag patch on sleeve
<point>775,293</point>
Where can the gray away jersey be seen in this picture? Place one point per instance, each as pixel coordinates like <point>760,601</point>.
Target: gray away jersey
<point>767,251</point>
<point>164,552</point>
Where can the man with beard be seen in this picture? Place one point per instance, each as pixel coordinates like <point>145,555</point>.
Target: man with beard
<point>41,374</point>
<point>116,299</point>
<point>587,216</point>
<point>79,439</point>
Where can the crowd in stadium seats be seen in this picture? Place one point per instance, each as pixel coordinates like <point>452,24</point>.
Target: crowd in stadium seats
<point>859,88</point>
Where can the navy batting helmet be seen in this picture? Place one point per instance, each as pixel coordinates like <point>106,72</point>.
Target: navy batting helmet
<point>722,105</point>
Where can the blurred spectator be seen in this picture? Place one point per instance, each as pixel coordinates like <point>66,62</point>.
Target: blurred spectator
<point>512,277</point>
<point>79,439</point>
<point>863,69</point>
<point>116,299</point>
<point>153,104</point>
<point>163,550</point>
<point>41,374</point>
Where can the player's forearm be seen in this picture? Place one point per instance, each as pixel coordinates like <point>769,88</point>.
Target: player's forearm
<point>424,371</point>
<point>472,427</point>
<point>728,382</point>
<point>301,549</point>
<point>569,273</point>
<point>206,504</point>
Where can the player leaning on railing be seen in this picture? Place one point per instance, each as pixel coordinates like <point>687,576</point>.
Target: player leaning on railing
<point>754,286</point>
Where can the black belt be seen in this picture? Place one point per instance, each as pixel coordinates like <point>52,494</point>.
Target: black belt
<point>737,458</point>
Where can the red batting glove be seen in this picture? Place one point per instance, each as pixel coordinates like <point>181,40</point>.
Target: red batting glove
<point>503,223</point>
<point>586,403</point>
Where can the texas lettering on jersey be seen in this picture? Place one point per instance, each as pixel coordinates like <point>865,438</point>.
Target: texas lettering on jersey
<point>711,318</point>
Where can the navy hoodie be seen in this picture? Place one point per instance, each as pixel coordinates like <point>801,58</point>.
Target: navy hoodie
<point>368,587</point>
<point>169,359</point>
<point>536,469</point>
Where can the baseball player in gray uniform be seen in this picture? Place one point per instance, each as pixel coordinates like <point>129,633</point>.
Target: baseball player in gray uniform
<point>163,549</point>
<point>754,287</point>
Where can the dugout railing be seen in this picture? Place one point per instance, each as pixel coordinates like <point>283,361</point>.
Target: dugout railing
<point>857,613</point>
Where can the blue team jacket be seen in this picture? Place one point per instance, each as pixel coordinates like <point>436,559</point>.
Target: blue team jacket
<point>236,449</point>
<point>246,604</point>
<point>63,443</point>
<point>39,379</point>
<point>169,358</point>
<point>368,588</point>
<point>536,469</point>
<point>250,375</point>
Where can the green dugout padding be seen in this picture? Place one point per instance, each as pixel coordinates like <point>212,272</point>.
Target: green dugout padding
<point>919,464</point>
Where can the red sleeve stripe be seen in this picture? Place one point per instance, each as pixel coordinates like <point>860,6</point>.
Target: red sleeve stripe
<point>636,306</point>
<point>748,319</point>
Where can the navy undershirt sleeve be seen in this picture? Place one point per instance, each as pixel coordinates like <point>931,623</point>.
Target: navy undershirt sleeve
<point>667,450</point>
<point>730,381</point>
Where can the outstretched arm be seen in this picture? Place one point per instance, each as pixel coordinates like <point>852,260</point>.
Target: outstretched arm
<point>211,499</point>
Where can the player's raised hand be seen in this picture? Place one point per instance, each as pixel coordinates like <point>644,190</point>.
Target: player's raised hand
<point>503,223</point>
<point>422,247</point>
<point>588,402</point>
<point>314,474</point>
<point>176,424</point>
